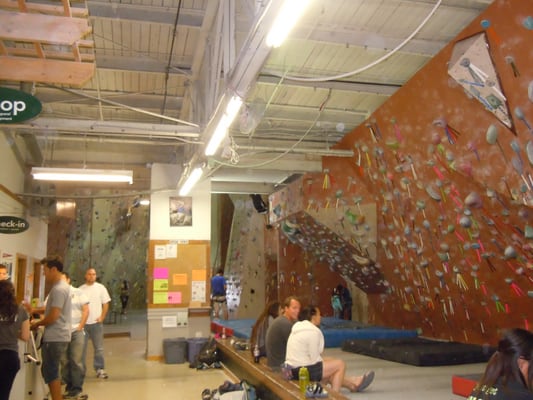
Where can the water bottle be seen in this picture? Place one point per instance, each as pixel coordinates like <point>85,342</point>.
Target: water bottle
<point>256,354</point>
<point>303,379</point>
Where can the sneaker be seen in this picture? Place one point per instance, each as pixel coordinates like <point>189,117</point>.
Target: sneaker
<point>78,396</point>
<point>101,374</point>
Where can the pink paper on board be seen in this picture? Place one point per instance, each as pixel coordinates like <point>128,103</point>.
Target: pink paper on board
<point>161,273</point>
<point>174,297</point>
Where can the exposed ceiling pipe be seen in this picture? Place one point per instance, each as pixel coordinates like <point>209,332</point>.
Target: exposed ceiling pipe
<point>103,127</point>
<point>320,152</point>
<point>149,141</point>
<point>136,109</point>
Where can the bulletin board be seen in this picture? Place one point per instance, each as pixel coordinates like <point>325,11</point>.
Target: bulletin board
<point>178,274</point>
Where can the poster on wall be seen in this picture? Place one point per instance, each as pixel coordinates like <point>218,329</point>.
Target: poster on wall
<point>180,211</point>
<point>8,260</point>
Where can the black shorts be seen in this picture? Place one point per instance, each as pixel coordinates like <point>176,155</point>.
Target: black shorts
<point>219,299</point>
<point>315,372</point>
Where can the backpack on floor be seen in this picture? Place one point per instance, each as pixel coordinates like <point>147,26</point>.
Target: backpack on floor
<point>207,355</point>
<point>247,392</point>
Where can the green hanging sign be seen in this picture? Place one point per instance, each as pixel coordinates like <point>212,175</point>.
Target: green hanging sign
<point>17,106</point>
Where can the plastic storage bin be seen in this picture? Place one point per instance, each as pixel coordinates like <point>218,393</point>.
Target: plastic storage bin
<point>175,350</point>
<point>195,344</point>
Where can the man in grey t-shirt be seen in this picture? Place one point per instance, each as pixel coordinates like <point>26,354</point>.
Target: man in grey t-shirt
<point>57,324</point>
<point>278,333</point>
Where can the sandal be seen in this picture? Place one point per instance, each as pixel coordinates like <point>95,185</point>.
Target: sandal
<point>368,377</point>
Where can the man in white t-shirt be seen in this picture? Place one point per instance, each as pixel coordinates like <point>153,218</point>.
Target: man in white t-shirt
<point>73,369</point>
<point>99,300</point>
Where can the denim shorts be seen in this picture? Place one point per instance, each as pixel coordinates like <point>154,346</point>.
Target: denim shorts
<point>52,353</point>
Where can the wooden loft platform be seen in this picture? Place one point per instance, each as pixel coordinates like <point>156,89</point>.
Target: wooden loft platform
<point>45,43</point>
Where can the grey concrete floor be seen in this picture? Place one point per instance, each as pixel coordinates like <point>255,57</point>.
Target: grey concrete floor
<point>132,377</point>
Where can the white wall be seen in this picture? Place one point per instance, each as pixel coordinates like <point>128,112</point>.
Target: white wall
<point>32,243</point>
<point>167,176</point>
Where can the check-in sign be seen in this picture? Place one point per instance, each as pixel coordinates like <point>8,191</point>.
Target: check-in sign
<point>9,224</point>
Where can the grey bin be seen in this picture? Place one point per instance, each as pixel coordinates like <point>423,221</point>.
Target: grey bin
<point>195,345</point>
<point>175,350</point>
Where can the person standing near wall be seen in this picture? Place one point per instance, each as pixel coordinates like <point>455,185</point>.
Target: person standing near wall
<point>218,294</point>
<point>73,368</point>
<point>278,333</point>
<point>14,325</point>
<point>56,322</point>
<point>336,304</point>
<point>124,296</point>
<point>99,300</point>
<point>346,300</point>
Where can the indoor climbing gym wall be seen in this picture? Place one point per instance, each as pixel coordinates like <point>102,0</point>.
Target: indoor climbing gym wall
<point>448,160</point>
<point>315,248</point>
<point>245,270</point>
<point>109,234</point>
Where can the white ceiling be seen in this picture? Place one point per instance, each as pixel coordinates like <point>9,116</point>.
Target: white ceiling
<point>157,83</point>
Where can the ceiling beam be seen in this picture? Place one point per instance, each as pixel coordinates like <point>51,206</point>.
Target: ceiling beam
<point>192,91</point>
<point>189,17</point>
<point>141,64</point>
<point>149,101</point>
<point>253,162</point>
<point>298,150</point>
<point>361,87</point>
<point>368,40</point>
<point>307,114</point>
<point>242,187</point>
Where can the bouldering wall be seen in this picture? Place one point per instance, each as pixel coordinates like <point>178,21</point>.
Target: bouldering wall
<point>447,159</point>
<point>245,264</point>
<point>110,235</point>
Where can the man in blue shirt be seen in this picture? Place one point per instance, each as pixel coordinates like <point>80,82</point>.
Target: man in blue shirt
<point>218,294</point>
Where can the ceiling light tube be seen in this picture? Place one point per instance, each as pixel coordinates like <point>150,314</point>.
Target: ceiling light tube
<point>288,15</point>
<point>82,175</point>
<point>232,109</point>
<point>192,179</point>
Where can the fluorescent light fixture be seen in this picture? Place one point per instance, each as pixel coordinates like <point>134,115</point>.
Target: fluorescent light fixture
<point>82,175</point>
<point>288,15</point>
<point>144,202</point>
<point>194,177</point>
<point>232,109</point>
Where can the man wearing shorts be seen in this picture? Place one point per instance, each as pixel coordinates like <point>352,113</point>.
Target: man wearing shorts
<point>218,294</point>
<point>57,323</point>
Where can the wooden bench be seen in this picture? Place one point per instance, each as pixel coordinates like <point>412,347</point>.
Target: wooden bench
<point>269,385</point>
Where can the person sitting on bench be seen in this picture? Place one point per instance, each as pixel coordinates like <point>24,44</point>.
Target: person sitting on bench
<point>304,348</point>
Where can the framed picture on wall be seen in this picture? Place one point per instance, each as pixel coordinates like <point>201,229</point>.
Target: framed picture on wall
<point>180,211</point>
<point>8,260</point>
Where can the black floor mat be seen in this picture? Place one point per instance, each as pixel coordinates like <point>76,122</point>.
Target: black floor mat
<point>419,351</point>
